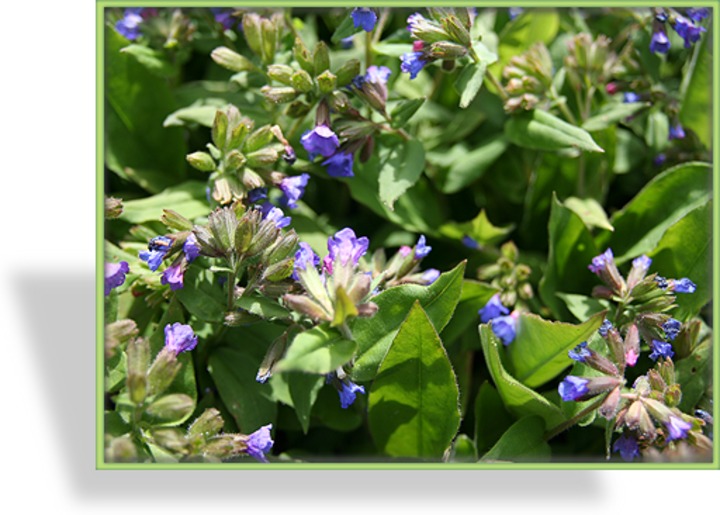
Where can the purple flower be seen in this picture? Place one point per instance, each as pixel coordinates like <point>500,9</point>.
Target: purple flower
<point>191,248</point>
<point>345,246</point>
<point>469,242</point>
<point>348,391</point>
<point>627,447</point>
<point>346,43</point>
<point>129,24</point>
<point>514,12</point>
<point>671,328</point>
<point>676,132</point>
<point>412,63</point>
<point>688,30</point>
<point>661,349</point>
<point>414,20</point>
<point>493,309</point>
<point>304,257</point>
<point>504,328</point>
<point>377,74</point>
<point>275,215</point>
<point>115,275</point>
<point>173,275</point>
<point>580,352</point>
<point>321,140</point>
<point>605,327</point>
<point>257,194</point>
<point>289,155</point>
<point>224,17</point>
<point>364,18</point>
<point>259,443</point>
<point>642,263</point>
<point>660,42</point>
<point>629,97</point>
<point>659,159</point>
<point>179,338</point>
<point>599,263</point>
<point>429,276</point>
<point>677,428</point>
<point>339,164</point>
<point>421,249</point>
<point>293,189</point>
<point>697,14</point>
<point>157,250</point>
<point>573,388</point>
<point>683,285</point>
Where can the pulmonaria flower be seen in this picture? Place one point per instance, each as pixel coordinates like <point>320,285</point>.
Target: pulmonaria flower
<point>257,194</point>
<point>605,327</point>
<point>158,248</point>
<point>259,443</point>
<point>676,132</point>
<point>661,349</point>
<point>320,141</point>
<point>627,447</point>
<point>364,18</point>
<point>304,257</point>
<point>348,392</point>
<point>631,357</point>
<point>688,30</point>
<point>179,338</point>
<point>697,14</point>
<point>469,242</point>
<point>573,388</point>
<point>339,164</point>
<point>174,274</point>
<point>505,327</point>
<point>677,428</point>
<point>429,276</point>
<point>580,353</point>
<point>683,285</point>
<point>671,328</point>
<point>346,43</point>
<point>493,309</point>
<point>640,267</point>
<point>115,275</point>
<point>629,97</point>
<point>346,247</point>
<point>660,42</point>
<point>289,155</point>
<point>659,159</point>
<point>129,24</point>
<point>412,63</point>
<point>421,249</point>
<point>275,215</point>
<point>293,189</point>
<point>224,17</point>
<point>191,248</point>
<point>599,263</point>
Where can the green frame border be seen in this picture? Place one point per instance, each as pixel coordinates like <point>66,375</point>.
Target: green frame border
<point>100,464</point>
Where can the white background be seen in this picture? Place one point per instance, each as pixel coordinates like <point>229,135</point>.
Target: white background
<point>47,432</point>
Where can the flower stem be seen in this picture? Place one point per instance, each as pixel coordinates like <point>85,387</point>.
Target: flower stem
<point>493,80</point>
<point>574,420</point>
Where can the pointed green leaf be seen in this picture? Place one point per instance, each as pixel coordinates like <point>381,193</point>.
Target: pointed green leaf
<point>404,110</point>
<point>345,29</point>
<point>479,229</point>
<point>694,374</point>
<point>413,404</point>
<point>540,349</point>
<point>469,82</point>
<point>524,441</point>
<point>374,335</point>
<point>188,199</point>
<point>491,417</point>
<point>610,114</point>
<point>471,165</point>
<point>540,130</point>
<point>518,398</point>
<point>304,389</point>
<point>583,307</point>
<point>151,59</point>
<point>590,212</point>
<point>201,295</point>
<point>320,350</point>
<point>400,170</point>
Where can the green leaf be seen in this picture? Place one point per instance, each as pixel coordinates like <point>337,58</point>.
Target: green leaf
<point>303,391</point>
<point>400,170</point>
<point>661,203</point>
<point>201,112</point>
<point>474,296</point>
<point>522,32</point>
<point>470,166</point>
<point>518,398</point>
<point>583,307</point>
<point>694,373</point>
<point>571,250</point>
<point>404,110</point>
<point>151,59</point>
<point>491,417</point>
<point>540,130</point>
<point>471,78</point>
<point>320,350</point>
<point>590,212</point>
<point>202,296</point>
<point>262,306</point>
<point>610,114</point>
<point>696,91</point>
<point>479,229</point>
<point>345,29</point>
<point>188,199</point>
<point>685,250</point>
<point>657,130</point>
<point>524,441</point>
<point>540,349</point>
<point>413,403</point>
<point>391,49</point>
<point>375,335</point>
<point>248,401</point>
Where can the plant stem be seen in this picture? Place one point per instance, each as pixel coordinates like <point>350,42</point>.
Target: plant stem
<point>493,80</point>
<point>368,49</point>
<point>569,423</point>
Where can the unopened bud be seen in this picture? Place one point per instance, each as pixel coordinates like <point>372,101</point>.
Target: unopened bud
<point>253,35</point>
<point>302,56</point>
<point>259,139</point>
<point>278,271</point>
<point>284,248</point>
<point>171,439</point>
<point>367,310</point>
<point>656,381</point>
<point>117,333</point>
<point>608,409</point>
<point>447,50</point>
<point>673,395</point>
<point>600,363</point>
<point>163,372</point>
<point>121,450</point>
<point>657,409</point>
<point>306,306</point>
<point>281,73</point>
<point>263,238</point>
<point>269,40</point>
<point>251,179</point>
<point>175,406</point>
<point>219,130</point>
<point>231,60</point>
<point>631,345</point>
<point>201,161</point>
<point>262,158</point>
<point>138,360</point>
<point>327,81</point>
<point>274,353</point>
<point>280,95</point>
<point>347,72</point>
<point>638,418</point>
<point>457,31</point>
<point>321,58</point>
<point>239,133</point>
<point>113,207</point>
<point>301,81</point>
<point>208,424</point>
<point>175,220</point>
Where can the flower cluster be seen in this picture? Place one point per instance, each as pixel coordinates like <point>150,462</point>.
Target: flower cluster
<point>184,245</point>
<point>502,322</point>
<point>364,18</point>
<point>403,267</point>
<point>687,27</point>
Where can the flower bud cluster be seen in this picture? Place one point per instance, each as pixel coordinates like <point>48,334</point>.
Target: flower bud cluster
<point>590,62</point>
<point>528,78</point>
<point>510,277</point>
<point>403,267</point>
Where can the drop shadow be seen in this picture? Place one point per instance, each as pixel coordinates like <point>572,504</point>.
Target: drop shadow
<point>59,317</point>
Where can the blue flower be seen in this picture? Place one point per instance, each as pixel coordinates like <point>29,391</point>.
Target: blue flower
<point>605,327</point>
<point>339,164</point>
<point>224,17</point>
<point>493,309</point>
<point>580,352</point>
<point>412,63</point>
<point>275,215</point>
<point>469,242</point>
<point>129,24</point>
<point>173,275</point>
<point>688,30</point>
<point>321,140</point>
<point>259,443</point>
<point>573,388</point>
<point>191,248</point>
<point>115,275</point>
<point>672,328</point>
<point>661,349</point>
<point>683,285</point>
<point>346,247</point>
<point>179,338</point>
<point>157,250</point>
<point>660,42</point>
<point>601,262</point>
<point>293,189</point>
<point>414,20</point>
<point>642,263</point>
<point>421,249</point>
<point>677,428</point>
<point>257,194</point>
<point>378,74</point>
<point>364,18</point>
<point>429,276</point>
<point>504,328</point>
<point>629,97</point>
<point>659,159</point>
<point>697,14</point>
<point>627,447</point>
<point>514,12</point>
<point>346,43</point>
<point>676,132</point>
<point>304,257</point>
<point>348,391</point>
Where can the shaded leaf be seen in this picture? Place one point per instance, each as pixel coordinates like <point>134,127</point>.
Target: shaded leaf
<point>524,441</point>
<point>320,350</point>
<point>400,170</point>
<point>470,166</point>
